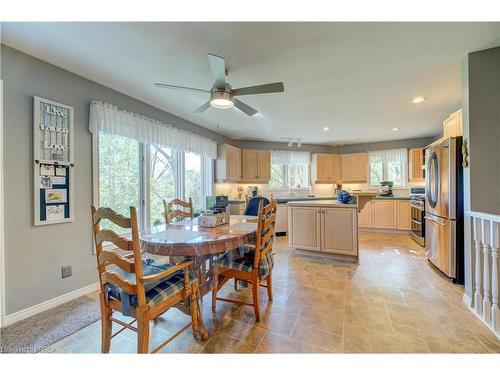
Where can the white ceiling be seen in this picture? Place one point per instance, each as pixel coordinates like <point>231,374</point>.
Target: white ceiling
<point>356,78</point>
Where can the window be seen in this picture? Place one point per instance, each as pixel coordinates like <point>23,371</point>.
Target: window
<point>130,173</point>
<point>119,176</point>
<point>388,165</point>
<point>289,169</point>
<point>162,181</point>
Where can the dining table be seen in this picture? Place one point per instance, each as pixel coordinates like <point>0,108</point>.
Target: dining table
<point>186,239</point>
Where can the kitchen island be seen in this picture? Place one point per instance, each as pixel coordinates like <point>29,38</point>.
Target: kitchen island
<point>324,227</point>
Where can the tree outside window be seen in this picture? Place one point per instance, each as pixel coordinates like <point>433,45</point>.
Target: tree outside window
<point>162,181</point>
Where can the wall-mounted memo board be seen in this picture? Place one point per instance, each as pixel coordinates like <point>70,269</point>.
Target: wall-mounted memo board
<point>53,164</point>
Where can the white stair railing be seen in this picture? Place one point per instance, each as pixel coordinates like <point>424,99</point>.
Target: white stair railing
<point>485,237</point>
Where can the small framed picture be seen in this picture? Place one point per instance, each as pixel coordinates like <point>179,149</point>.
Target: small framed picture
<point>54,212</point>
<point>46,182</point>
<point>58,180</point>
<point>46,170</point>
<point>60,171</point>
<point>56,196</point>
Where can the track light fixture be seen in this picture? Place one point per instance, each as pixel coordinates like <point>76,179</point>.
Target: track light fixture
<point>291,141</point>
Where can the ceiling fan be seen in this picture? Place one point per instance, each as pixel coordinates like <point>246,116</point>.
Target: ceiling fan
<point>222,95</point>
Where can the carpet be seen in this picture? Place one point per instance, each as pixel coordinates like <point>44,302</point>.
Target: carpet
<point>38,332</point>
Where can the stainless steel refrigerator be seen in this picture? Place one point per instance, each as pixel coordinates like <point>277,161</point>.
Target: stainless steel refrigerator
<point>444,207</point>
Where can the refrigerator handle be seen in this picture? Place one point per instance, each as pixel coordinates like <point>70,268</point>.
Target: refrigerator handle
<point>435,220</point>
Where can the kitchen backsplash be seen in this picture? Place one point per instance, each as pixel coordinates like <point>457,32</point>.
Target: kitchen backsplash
<point>319,190</point>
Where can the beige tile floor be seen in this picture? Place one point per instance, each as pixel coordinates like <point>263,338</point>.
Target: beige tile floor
<point>394,301</point>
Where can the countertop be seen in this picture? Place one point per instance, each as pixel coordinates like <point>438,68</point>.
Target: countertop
<point>321,203</point>
<point>306,198</point>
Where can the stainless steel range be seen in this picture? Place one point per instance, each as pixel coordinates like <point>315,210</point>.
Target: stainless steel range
<point>417,207</point>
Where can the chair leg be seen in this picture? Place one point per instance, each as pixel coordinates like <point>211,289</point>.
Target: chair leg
<point>235,284</point>
<point>106,326</point>
<point>203,330</point>
<point>269,283</point>
<point>194,309</point>
<point>142,332</point>
<point>255,296</point>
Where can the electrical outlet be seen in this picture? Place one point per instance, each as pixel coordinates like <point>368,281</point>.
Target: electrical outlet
<point>66,271</point>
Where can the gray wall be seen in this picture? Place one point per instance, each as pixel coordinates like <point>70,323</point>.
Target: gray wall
<point>34,255</point>
<point>484,130</point>
<point>388,145</point>
<point>481,122</point>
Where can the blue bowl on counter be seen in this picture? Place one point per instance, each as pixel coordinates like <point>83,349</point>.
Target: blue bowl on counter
<point>345,197</point>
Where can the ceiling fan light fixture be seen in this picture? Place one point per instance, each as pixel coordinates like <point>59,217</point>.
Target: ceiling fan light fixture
<point>221,100</point>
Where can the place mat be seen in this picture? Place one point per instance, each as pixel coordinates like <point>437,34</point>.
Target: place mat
<point>243,227</point>
<point>36,333</point>
<point>177,235</point>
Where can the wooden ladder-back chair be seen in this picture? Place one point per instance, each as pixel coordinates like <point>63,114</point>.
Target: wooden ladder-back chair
<point>137,287</point>
<point>253,265</point>
<point>171,212</point>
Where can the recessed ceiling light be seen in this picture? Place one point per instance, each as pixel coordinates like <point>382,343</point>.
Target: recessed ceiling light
<point>418,99</point>
<point>395,129</point>
<point>326,128</point>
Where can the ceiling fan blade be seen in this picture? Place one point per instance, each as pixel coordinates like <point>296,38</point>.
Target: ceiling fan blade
<point>244,107</point>
<point>164,85</point>
<point>202,108</point>
<point>260,89</point>
<point>218,68</point>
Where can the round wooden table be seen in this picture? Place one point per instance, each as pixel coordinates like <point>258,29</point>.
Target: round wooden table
<point>186,239</point>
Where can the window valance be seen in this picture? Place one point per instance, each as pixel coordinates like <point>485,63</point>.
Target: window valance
<point>290,157</point>
<point>108,119</point>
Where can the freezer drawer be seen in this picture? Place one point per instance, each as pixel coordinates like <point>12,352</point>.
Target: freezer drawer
<point>440,243</point>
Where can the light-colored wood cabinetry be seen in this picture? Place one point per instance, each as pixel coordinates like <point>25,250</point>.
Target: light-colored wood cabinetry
<point>415,163</point>
<point>228,164</point>
<point>305,231</point>
<point>353,167</point>
<point>281,218</point>
<point>327,228</point>
<point>404,215</point>
<point>365,216</point>
<point>325,168</point>
<point>337,233</point>
<point>256,165</point>
<point>384,214</point>
<point>452,126</point>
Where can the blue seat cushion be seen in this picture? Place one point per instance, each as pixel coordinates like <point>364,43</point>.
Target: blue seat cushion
<point>252,208</point>
<point>242,259</point>
<point>156,291</point>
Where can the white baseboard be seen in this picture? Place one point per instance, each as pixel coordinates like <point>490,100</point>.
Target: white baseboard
<point>30,311</point>
<point>467,300</point>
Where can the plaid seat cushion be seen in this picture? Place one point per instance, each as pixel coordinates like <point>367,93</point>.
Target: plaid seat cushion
<point>156,292</point>
<point>242,259</point>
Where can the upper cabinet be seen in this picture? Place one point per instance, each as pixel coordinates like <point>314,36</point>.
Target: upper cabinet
<point>353,167</point>
<point>256,165</point>
<point>228,164</point>
<point>415,164</point>
<point>325,168</point>
<point>452,126</point>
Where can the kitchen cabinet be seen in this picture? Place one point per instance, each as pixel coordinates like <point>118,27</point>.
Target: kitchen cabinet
<point>323,226</point>
<point>228,164</point>
<point>305,230</point>
<point>452,126</point>
<point>337,234</point>
<point>256,165</point>
<point>281,218</point>
<point>404,215</point>
<point>325,168</point>
<point>384,214</point>
<point>365,216</point>
<point>415,163</point>
<point>353,167</point>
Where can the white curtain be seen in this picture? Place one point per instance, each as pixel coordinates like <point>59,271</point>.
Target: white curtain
<point>290,157</point>
<point>108,119</point>
<point>388,165</point>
